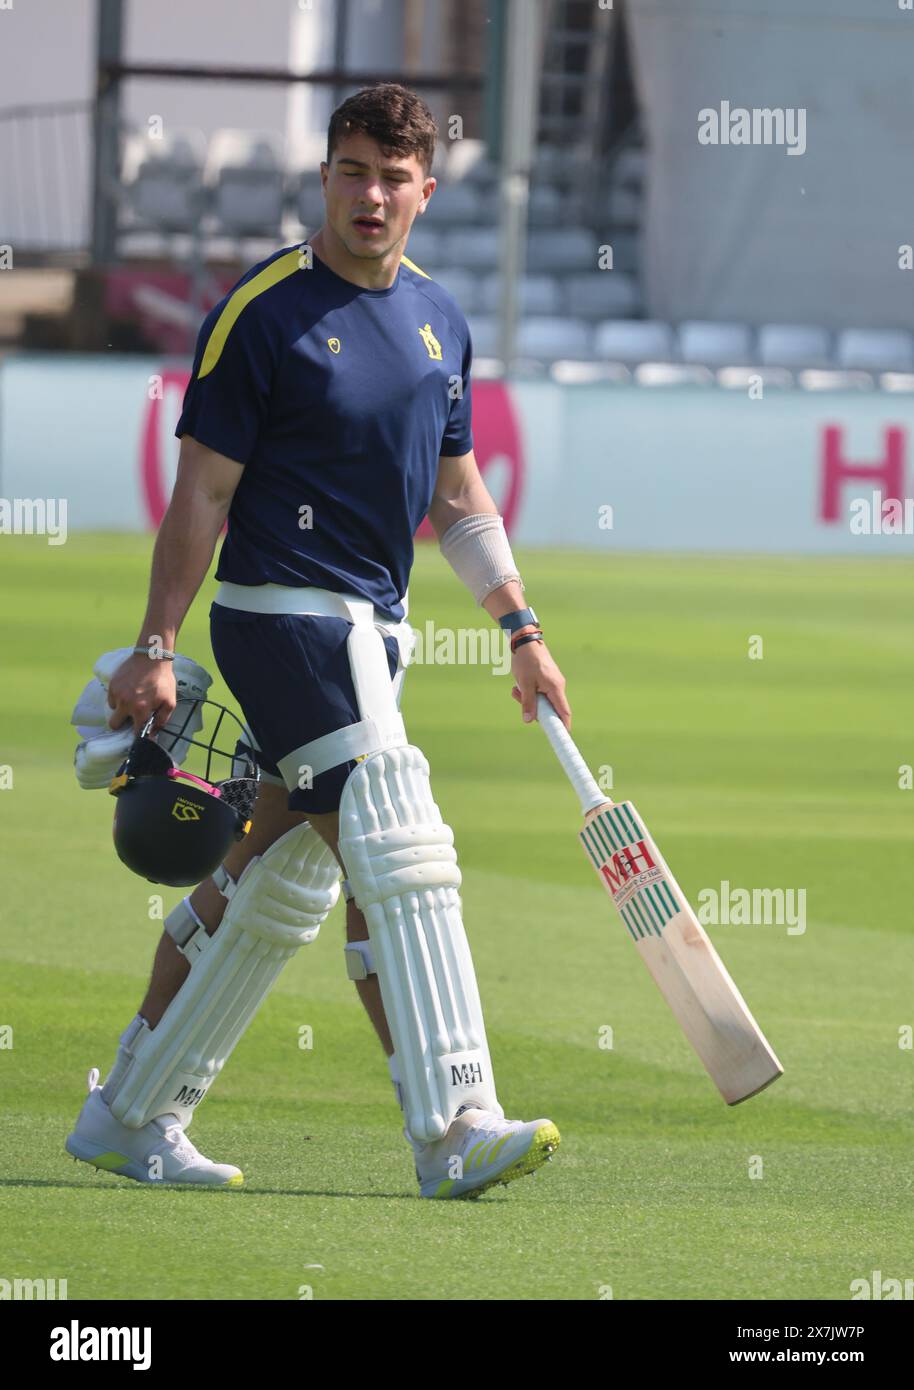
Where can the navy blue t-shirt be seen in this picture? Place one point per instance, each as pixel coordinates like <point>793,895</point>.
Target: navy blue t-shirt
<point>336,399</point>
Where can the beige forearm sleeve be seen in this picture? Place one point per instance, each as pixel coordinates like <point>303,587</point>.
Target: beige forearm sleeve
<point>477,549</point>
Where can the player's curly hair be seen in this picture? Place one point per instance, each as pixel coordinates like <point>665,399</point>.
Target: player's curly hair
<point>396,118</point>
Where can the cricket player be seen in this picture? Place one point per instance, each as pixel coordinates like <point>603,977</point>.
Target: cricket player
<point>329,411</point>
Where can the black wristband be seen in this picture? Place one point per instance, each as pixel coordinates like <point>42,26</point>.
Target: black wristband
<point>527,637</point>
<point>521,617</point>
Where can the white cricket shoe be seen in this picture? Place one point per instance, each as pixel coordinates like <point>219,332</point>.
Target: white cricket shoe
<point>481,1149</point>
<point>159,1151</point>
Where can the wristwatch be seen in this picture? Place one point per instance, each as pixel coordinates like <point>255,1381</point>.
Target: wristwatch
<point>521,617</point>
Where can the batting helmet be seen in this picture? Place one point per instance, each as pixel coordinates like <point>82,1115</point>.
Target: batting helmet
<point>171,826</point>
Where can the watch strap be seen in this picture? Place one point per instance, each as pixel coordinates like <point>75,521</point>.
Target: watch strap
<point>521,617</point>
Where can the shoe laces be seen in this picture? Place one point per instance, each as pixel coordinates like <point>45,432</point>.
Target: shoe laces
<point>483,1128</point>
<point>493,1126</point>
<point>179,1144</point>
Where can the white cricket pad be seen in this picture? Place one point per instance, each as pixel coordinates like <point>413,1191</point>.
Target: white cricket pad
<point>402,866</point>
<point>276,906</point>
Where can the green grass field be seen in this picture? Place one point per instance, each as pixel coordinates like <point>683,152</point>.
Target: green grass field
<point>781,772</point>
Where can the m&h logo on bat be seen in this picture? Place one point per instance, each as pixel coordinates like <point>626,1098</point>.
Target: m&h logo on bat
<point>625,864</point>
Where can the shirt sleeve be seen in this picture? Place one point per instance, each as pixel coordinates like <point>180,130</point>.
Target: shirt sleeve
<point>225,404</point>
<point>458,434</point>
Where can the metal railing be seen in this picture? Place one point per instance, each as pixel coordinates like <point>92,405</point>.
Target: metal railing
<point>46,178</point>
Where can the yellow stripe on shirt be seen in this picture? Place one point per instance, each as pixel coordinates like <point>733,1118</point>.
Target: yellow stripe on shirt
<point>270,275</point>
<point>412,265</point>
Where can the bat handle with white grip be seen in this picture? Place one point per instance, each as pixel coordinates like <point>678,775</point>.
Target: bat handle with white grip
<point>566,751</point>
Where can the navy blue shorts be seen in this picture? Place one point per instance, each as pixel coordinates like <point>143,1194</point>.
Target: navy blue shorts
<point>289,673</point>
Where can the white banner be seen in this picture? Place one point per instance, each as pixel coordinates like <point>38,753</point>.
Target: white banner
<point>711,470</point>
<point>624,468</point>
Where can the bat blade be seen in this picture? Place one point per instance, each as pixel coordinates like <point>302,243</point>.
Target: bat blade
<point>678,952</point>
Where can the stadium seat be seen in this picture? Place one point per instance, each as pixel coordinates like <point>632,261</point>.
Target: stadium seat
<point>475,248</point>
<point>539,294</point>
<point>484,333</point>
<point>829,379</point>
<point>562,250</point>
<point>874,349</point>
<point>245,173</point>
<point>545,206</point>
<point>550,163</point>
<point>163,180</point>
<point>542,338</point>
<point>548,337</point>
<point>626,246</point>
<point>600,294</point>
<point>308,198</point>
<point>899,382</point>
<point>629,169</point>
<point>455,204</point>
<point>464,286</point>
<point>672,374</point>
<point>468,159</point>
<point>568,372</point>
<point>622,207</point>
<point>744,378</point>
<point>439,168</point>
<point>793,345</point>
<point>715,344</point>
<point>634,340</point>
<point>424,247</point>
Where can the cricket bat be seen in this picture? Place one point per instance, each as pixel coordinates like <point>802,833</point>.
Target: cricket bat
<point>672,942</point>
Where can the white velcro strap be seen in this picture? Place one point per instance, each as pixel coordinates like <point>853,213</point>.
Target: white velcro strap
<point>281,598</point>
<point>340,746</point>
<point>477,549</point>
<point>381,724</point>
<point>185,928</point>
<point>224,882</point>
